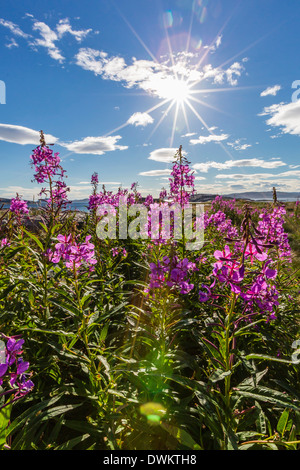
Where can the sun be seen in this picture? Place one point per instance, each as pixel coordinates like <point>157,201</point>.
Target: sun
<point>177,83</point>
<point>176,90</point>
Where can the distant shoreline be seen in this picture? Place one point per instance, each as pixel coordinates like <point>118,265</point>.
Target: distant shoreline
<point>82,204</point>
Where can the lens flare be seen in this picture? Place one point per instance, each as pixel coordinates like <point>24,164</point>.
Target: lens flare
<point>153,412</point>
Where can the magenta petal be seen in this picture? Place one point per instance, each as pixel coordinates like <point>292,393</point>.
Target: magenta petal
<point>22,367</point>
<point>3,369</point>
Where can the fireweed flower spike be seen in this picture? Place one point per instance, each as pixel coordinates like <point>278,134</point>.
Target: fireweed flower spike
<point>72,253</point>
<point>18,207</point>
<point>48,169</point>
<point>95,182</point>
<point>182,180</point>
<point>13,369</point>
<point>4,242</point>
<point>172,273</point>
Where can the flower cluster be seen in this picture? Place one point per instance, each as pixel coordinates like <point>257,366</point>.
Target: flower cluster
<point>72,253</point>
<point>94,179</point>
<point>228,270</point>
<point>59,196</point>
<point>181,179</point>
<point>255,287</point>
<point>271,226</point>
<point>173,273</point>
<point>4,242</point>
<point>18,206</point>
<point>108,197</point>
<point>222,223</point>
<point>117,251</point>
<point>13,368</point>
<point>46,164</point>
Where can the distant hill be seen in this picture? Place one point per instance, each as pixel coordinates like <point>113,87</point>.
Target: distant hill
<point>4,200</point>
<point>262,195</point>
<point>250,195</point>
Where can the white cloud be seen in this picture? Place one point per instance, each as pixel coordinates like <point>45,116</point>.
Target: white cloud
<point>164,155</point>
<point>209,138</point>
<point>215,45</point>
<point>271,110</point>
<point>23,135</point>
<point>271,91</point>
<point>102,182</point>
<point>89,145</point>
<point>26,193</point>
<point>47,40</point>
<point>153,77</point>
<point>246,176</point>
<point>220,76</point>
<point>90,59</point>
<point>285,181</point>
<point>14,29</point>
<point>286,116</point>
<point>234,72</point>
<point>95,145</point>
<point>48,37</point>
<point>12,43</point>
<point>237,145</point>
<point>155,172</point>
<point>140,119</point>
<point>64,27</point>
<point>219,41</point>
<point>189,134</point>
<point>254,162</point>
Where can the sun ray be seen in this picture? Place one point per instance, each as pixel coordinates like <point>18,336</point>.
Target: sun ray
<point>224,89</point>
<point>207,127</point>
<point>209,106</point>
<point>185,116</point>
<point>250,46</point>
<point>161,119</point>
<point>157,106</point>
<point>116,129</point>
<point>135,33</point>
<point>171,52</point>
<point>215,39</point>
<point>174,124</point>
<point>125,124</point>
<point>175,87</point>
<point>190,30</point>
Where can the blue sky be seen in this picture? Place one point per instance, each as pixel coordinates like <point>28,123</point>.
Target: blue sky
<point>119,85</point>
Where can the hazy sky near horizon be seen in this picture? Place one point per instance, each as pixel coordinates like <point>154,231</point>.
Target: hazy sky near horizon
<point>119,85</point>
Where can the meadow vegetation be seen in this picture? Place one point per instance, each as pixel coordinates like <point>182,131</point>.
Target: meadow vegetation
<point>139,343</point>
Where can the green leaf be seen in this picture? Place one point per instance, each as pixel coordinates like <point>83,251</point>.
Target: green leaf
<point>267,395</point>
<point>68,445</point>
<point>282,423</point>
<point>35,239</point>
<point>4,422</point>
<point>219,374</point>
<point>267,358</point>
<point>181,435</point>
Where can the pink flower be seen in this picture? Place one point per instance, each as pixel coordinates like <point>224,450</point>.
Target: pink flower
<point>18,206</point>
<point>4,242</point>
<point>72,253</point>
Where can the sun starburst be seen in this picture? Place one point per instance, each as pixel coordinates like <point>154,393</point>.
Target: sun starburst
<point>175,81</point>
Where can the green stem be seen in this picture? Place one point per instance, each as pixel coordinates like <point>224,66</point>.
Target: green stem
<point>228,340</point>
